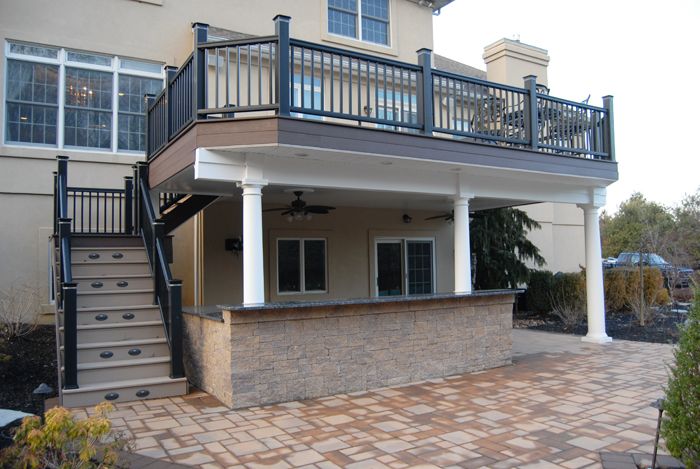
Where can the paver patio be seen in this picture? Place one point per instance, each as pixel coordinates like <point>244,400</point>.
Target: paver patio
<point>559,405</point>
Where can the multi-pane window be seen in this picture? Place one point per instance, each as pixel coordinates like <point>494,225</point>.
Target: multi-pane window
<point>405,266</point>
<point>73,99</point>
<point>367,20</point>
<point>301,265</point>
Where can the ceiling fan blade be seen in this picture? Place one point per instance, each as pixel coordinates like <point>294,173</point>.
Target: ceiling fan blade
<point>312,208</point>
<point>444,215</point>
<point>276,209</point>
<point>288,212</point>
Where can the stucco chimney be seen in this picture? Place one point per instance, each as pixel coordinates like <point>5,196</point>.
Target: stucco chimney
<point>508,61</point>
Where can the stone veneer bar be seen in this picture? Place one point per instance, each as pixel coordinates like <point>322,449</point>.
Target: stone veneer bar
<point>278,352</point>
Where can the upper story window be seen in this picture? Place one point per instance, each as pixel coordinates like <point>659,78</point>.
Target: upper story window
<point>73,99</point>
<point>367,20</point>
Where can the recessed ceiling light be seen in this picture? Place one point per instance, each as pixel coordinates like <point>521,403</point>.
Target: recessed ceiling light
<point>301,155</point>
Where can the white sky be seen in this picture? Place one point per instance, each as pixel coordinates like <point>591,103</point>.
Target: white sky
<point>646,54</point>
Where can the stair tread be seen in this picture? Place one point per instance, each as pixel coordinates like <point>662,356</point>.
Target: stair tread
<point>130,383</point>
<point>119,292</point>
<point>120,363</point>
<point>85,277</point>
<point>108,262</point>
<point>90,309</point>
<point>110,248</point>
<point>116,325</point>
<point>121,343</point>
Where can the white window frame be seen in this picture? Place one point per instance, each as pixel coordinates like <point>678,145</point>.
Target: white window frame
<point>358,16</point>
<point>62,61</point>
<point>404,260</point>
<point>302,279</point>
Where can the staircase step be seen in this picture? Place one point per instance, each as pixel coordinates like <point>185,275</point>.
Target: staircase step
<point>118,314</point>
<point>111,254</point>
<point>105,371</point>
<point>94,333</point>
<point>85,269</point>
<point>122,350</point>
<point>88,299</point>
<point>105,241</point>
<point>113,282</point>
<point>124,391</point>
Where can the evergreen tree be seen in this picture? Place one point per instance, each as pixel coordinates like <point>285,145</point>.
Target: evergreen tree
<point>499,242</point>
<point>681,429</point>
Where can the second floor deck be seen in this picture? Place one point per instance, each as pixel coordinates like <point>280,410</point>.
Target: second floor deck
<point>277,76</point>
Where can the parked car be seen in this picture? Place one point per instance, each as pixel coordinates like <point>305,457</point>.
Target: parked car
<point>609,262</point>
<point>681,275</point>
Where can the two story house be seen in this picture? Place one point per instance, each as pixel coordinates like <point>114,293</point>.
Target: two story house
<point>307,169</point>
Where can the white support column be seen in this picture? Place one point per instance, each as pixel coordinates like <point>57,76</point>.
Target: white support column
<point>463,257</point>
<point>253,267</point>
<point>595,293</point>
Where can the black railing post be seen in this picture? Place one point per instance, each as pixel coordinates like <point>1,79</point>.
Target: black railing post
<point>609,127</point>
<point>426,108</point>
<point>128,204</point>
<point>70,335</point>
<point>158,231</point>
<point>175,322</point>
<point>55,202</point>
<point>282,66</point>
<point>170,73</point>
<point>199,62</point>
<point>64,231</point>
<point>531,112</point>
<point>62,186</point>
<point>137,197</point>
<point>148,102</point>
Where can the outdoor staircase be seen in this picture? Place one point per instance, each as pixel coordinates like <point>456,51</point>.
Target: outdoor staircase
<point>122,348</point>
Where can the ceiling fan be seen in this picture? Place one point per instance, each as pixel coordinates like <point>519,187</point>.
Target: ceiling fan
<point>298,209</point>
<point>447,216</point>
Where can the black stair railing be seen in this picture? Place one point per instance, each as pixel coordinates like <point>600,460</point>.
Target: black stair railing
<point>101,211</point>
<point>167,290</point>
<point>68,289</point>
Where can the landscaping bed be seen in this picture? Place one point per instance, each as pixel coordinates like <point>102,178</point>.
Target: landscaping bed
<point>32,362</point>
<point>661,326</point>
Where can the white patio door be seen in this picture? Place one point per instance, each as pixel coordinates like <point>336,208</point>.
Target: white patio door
<point>404,266</point>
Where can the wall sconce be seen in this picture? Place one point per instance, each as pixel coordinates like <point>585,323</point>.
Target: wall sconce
<point>233,244</point>
<point>368,110</point>
<point>407,218</point>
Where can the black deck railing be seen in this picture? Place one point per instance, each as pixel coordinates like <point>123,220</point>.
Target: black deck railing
<point>101,211</point>
<point>277,75</point>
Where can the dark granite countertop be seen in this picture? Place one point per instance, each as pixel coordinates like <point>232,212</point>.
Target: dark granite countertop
<point>215,312</point>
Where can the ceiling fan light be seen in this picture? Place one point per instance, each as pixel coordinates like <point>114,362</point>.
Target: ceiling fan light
<point>308,217</point>
<point>298,216</point>
<point>290,218</point>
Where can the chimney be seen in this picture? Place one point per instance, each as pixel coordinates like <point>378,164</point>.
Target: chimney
<point>509,61</point>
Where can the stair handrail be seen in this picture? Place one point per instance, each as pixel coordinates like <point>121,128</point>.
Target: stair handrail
<point>68,297</point>
<point>167,290</point>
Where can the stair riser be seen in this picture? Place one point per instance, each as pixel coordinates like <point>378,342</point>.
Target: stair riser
<point>102,375</point>
<point>118,317</point>
<point>114,299</point>
<point>109,255</point>
<point>84,399</point>
<point>120,284</point>
<point>122,353</point>
<point>122,333</point>
<point>136,268</point>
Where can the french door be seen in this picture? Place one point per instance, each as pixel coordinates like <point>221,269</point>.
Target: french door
<point>404,266</point>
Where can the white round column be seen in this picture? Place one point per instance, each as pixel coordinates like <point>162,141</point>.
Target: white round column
<point>463,257</point>
<point>253,267</point>
<point>595,292</point>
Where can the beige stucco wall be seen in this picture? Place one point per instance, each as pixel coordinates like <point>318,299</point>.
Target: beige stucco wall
<point>156,30</point>
<point>350,234</point>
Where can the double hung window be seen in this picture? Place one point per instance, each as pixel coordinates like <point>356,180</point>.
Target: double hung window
<point>367,20</point>
<point>70,99</point>
<point>301,265</point>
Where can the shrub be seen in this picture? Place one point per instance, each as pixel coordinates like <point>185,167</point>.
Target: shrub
<point>62,442</point>
<point>19,311</point>
<point>654,292</point>
<point>681,429</point>
<point>615,283</point>
<point>568,298</point>
<point>539,286</point>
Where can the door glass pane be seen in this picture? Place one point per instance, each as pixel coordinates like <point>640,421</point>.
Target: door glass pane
<point>88,116</point>
<point>314,265</point>
<point>288,268</point>
<point>131,123</point>
<point>420,267</point>
<point>389,278</point>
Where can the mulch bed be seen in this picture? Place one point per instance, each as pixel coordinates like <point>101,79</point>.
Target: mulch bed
<point>32,362</point>
<point>662,326</point>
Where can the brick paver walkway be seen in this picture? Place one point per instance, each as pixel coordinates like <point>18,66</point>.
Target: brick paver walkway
<point>549,410</point>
